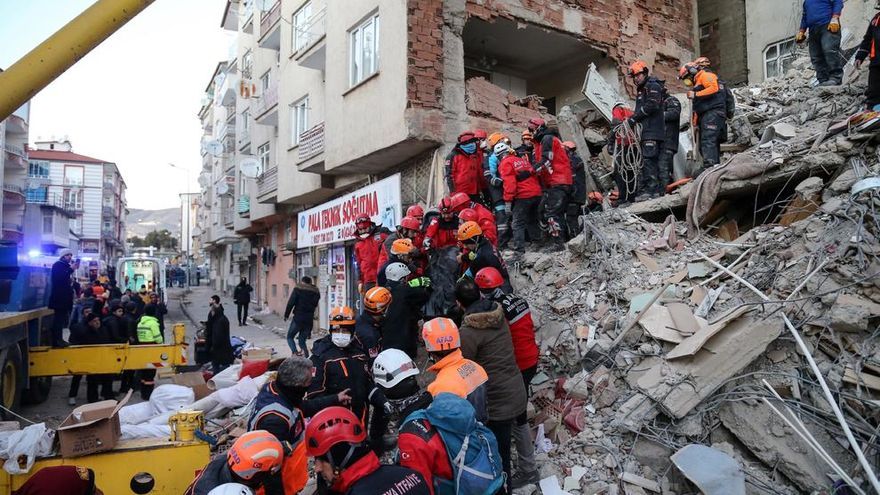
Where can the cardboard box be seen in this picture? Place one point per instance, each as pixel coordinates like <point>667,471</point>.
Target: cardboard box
<point>256,354</point>
<point>91,428</point>
<point>194,380</point>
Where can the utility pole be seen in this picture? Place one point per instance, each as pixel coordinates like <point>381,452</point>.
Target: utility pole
<point>185,244</point>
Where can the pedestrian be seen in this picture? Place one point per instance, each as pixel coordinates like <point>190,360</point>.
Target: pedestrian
<point>710,111</point>
<point>217,338</point>
<point>130,319</point>
<point>396,379</point>
<point>161,311</point>
<point>525,349</point>
<point>369,239</point>
<point>672,121</point>
<point>649,115</point>
<point>455,373</point>
<point>868,48</point>
<point>822,19</point>
<point>61,296</point>
<point>90,332</point>
<point>464,166</point>
<point>280,409</point>
<point>554,170</point>
<point>407,299</point>
<point>522,195</point>
<point>254,458</point>
<point>60,480</point>
<point>148,333</point>
<point>242,297</point>
<point>478,253</point>
<point>303,302</point>
<point>578,188</point>
<point>440,232</point>
<point>486,339</point>
<point>368,328</point>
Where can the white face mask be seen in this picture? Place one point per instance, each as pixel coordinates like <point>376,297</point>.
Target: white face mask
<point>341,339</point>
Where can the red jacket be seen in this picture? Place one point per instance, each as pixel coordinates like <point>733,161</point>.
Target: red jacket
<point>366,253</point>
<point>442,234</point>
<point>486,221</point>
<point>422,449</point>
<point>522,328</point>
<point>549,149</point>
<point>464,173</point>
<point>520,181</point>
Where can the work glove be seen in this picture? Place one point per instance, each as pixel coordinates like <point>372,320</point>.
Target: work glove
<point>496,182</point>
<point>802,36</point>
<point>507,207</point>
<point>420,282</point>
<point>426,244</point>
<point>834,25</point>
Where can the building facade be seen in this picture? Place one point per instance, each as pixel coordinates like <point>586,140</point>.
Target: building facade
<point>13,145</point>
<point>348,107</point>
<point>90,191</point>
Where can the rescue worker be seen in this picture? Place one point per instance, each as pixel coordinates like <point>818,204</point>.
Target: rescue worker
<point>620,146</point>
<point>280,408</point>
<point>868,48</point>
<point>217,337</point>
<point>460,202</point>
<point>148,333</point>
<point>649,114</point>
<point>710,111</point>
<point>416,211</point>
<point>366,251</point>
<point>522,194</point>
<point>343,459</point>
<point>442,229</point>
<point>395,375</point>
<point>407,299</point>
<point>60,480</point>
<point>253,459</point>
<point>409,228</point>
<point>496,188</point>
<point>340,364</point>
<point>490,230</point>
<point>525,349</point>
<point>303,302</point>
<point>368,327</point>
<point>554,170</point>
<point>402,251</point>
<point>478,252</point>
<point>578,188</point>
<point>822,19</point>
<point>455,374</point>
<point>672,120</point>
<point>486,339</point>
<point>464,166</point>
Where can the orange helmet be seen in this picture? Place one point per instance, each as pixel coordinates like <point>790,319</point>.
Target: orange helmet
<point>441,334</point>
<point>467,215</point>
<point>341,316</point>
<point>637,67</point>
<point>702,62</point>
<point>377,300</point>
<point>401,246</point>
<point>469,230</point>
<point>569,145</point>
<point>255,453</point>
<point>494,138</point>
<point>332,426</point>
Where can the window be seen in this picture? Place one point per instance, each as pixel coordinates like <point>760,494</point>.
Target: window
<point>364,49</point>
<point>778,58</point>
<point>48,226</point>
<point>76,226</point>
<point>301,26</point>
<point>286,290</point>
<point>73,176</point>
<point>245,121</point>
<point>247,65</point>
<point>288,232</point>
<point>38,169</point>
<point>38,195</point>
<point>274,290</point>
<point>265,81</point>
<point>73,199</point>
<point>299,117</point>
<point>263,155</point>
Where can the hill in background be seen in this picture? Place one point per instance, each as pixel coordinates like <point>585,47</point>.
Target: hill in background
<point>142,222</point>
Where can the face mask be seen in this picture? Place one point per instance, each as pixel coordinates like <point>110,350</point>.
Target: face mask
<point>341,339</point>
<point>469,148</point>
<point>688,83</point>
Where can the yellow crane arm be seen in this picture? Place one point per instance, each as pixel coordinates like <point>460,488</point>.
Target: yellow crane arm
<point>42,65</point>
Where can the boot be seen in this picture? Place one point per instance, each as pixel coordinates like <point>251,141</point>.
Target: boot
<point>527,470</point>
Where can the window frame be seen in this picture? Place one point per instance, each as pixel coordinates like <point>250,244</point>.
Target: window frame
<point>51,218</point>
<point>264,156</point>
<point>358,73</point>
<point>782,54</point>
<point>38,165</point>
<point>297,32</point>
<point>298,108</point>
<point>82,172</point>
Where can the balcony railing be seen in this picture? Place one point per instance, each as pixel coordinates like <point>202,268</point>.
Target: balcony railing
<point>268,182</point>
<point>244,204</point>
<point>107,211</point>
<point>268,100</point>
<point>307,35</point>
<point>12,188</point>
<point>311,142</point>
<point>13,227</point>
<point>15,150</point>
<point>269,18</point>
<point>228,217</point>
<point>72,182</point>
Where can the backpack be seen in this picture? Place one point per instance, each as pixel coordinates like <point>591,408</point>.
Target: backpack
<point>471,447</point>
<point>729,99</point>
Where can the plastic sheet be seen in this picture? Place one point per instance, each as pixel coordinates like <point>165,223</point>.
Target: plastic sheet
<point>225,378</point>
<point>170,397</point>
<point>32,442</point>
<point>134,432</point>
<point>136,414</point>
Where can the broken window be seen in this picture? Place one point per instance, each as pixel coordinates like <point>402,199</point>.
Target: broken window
<point>778,58</point>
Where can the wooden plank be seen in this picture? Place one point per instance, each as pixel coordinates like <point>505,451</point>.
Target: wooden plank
<point>861,379</point>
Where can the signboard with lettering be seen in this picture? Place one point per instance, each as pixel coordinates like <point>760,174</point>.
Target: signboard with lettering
<point>333,221</point>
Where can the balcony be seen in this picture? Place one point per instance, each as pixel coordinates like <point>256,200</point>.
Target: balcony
<point>17,123</point>
<point>267,186</point>
<point>244,205</point>
<point>13,194</point>
<point>311,50</point>
<point>107,211</point>
<point>16,155</point>
<point>270,31</point>
<point>228,218</point>
<point>109,185</point>
<point>311,143</point>
<point>247,17</point>
<point>266,108</point>
<point>12,227</point>
<point>110,235</point>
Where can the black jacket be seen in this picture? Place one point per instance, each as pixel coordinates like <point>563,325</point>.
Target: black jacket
<point>242,293</point>
<point>649,110</point>
<point>578,178</point>
<point>381,279</point>
<point>368,332</point>
<point>215,474</point>
<point>82,334</point>
<point>337,369</point>
<point>388,480</point>
<point>131,322</point>
<point>672,117</point>
<point>116,327</point>
<point>401,330</point>
<point>61,297</point>
<point>868,48</point>
<point>217,337</point>
<point>486,256</point>
<point>303,301</point>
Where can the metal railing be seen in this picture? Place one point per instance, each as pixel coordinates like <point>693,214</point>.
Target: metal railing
<point>228,217</point>
<point>311,142</point>
<point>313,30</point>
<point>73,183</point>
<point>13,188</point>
<point>15,150</point>
<point>13,227</point>
<point>267,100</point>
<point>269,18</point>
<point>267,183</point>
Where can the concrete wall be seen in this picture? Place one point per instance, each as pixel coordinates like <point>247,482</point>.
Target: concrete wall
<point>726,46</point>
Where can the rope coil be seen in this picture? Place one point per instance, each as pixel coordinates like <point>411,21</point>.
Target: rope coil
<point>628,157</point>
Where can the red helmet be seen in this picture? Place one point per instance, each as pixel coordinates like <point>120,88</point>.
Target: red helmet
<point>480,134</point>
<point>410,223</point>
<point>445,205</point>
<point>415,211</point>
<point>467,215</point>
<point>332,426</point>
<point>489,278</point>
<point>459,201</point>
<point>466,137</point>
<point>363,222</point>
<point>536,123</point>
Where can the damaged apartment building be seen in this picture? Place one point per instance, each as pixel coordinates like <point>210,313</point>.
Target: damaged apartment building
<point>320,101</point>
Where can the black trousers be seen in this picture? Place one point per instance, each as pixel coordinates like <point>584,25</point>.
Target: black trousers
<point>242,312</point>
<point>525,220</point>
<point>60,319</point>
<point>555,203</point>
<point>667,172</point>
<point>93,384</point>
<point>872,95</point>
<point>503,431</point>
<point>527,376</point>
<point>650,183</point>
<point>712,125</point>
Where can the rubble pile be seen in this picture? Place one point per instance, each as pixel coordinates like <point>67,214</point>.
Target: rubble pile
<point>648,347</point>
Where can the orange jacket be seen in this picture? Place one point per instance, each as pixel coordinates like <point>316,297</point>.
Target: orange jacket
<point>707,93</point>
<point>461,377</point>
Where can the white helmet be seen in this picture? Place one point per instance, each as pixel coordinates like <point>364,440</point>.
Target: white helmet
<point>392,366</point>
<point>231,489</point>
<point>501,148</point>
<point>395,272</point>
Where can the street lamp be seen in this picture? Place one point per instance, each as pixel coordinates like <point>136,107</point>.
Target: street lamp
<point>185,241</point>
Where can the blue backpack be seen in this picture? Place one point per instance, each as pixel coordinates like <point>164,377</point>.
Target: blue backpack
<point>471,447</point>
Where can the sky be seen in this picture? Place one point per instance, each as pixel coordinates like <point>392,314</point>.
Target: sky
<point>134,99</point>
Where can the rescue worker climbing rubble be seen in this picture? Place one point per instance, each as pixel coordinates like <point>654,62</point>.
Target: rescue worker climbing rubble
<point>710,110</point>
<point>407,299</point>
<point>464,166</point>
<point>478,253</point>
<point>442,229</point>
<point>578,188</point>
<point>522,193</point>
<point>822,19</point>
<point>554,170</point>
<point>650,117</point>
<point>672,119</point>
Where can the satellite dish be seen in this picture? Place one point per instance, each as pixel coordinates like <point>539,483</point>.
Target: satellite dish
<point>222,188</point>
<point>214,147</point>
<point>203,180</point>
<point>249,167</point>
